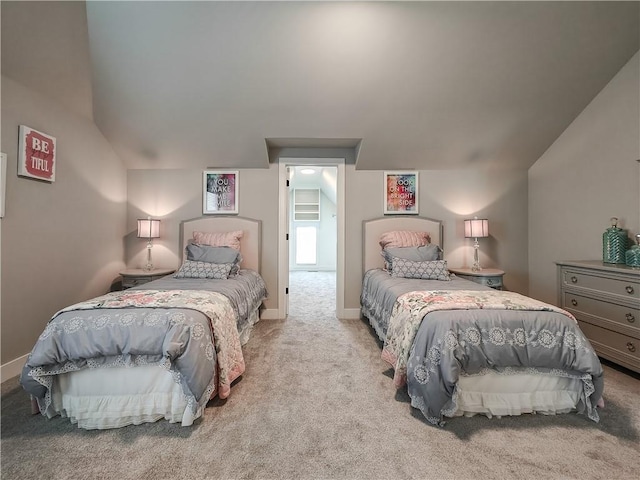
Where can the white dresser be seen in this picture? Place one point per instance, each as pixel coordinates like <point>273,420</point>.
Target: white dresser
<point>605,298</point>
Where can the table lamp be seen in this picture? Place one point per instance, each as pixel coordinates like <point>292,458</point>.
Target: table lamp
<point>476,228</point>
<point>149,229</point>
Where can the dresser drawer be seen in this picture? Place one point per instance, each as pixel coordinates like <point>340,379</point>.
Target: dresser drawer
<point>617,317</point>
<point>132,277</point>
<point>493,282</point>
<point>614,346</point>
<point>629,288</point>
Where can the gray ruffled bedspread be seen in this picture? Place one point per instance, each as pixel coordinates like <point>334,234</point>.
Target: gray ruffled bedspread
<point>190,331</point>
<point>434,336</point>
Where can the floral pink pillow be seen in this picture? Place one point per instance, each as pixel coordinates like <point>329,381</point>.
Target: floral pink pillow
<point>223,239</point>
<point>404,238</point>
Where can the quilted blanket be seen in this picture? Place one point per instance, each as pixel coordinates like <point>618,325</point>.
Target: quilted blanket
<point>434,335</point>
<point>188,332</point>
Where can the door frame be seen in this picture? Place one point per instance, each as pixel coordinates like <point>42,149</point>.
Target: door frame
<point>283,229</point>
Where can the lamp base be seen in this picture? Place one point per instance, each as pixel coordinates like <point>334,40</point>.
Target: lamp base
<point>476,257</point>
<point>149,265</point>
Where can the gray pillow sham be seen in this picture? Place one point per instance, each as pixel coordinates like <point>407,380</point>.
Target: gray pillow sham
<point>425,253</point>
<point>218,255</point>
<point>206,253</point>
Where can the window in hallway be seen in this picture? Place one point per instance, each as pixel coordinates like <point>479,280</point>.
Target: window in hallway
<point>306,245</point>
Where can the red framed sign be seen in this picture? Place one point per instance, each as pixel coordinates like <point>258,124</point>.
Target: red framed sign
<point>36,155</point>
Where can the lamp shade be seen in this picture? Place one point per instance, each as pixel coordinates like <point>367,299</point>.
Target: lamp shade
<point>148,228</point>
<point>476,228</point>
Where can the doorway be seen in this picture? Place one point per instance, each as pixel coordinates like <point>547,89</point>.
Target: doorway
<point>311,229</point>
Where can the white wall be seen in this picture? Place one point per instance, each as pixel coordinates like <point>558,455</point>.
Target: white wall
<point>590,174</point>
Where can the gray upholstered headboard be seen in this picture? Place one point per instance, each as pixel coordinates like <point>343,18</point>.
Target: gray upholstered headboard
<point>250,243</point>
<point>372,229</point>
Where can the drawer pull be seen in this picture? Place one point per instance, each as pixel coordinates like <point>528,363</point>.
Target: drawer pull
<point>630,317</point>
<point>631,347</point>
<point>574,279</point>
<point>574,302</point>
<point>629,289</point>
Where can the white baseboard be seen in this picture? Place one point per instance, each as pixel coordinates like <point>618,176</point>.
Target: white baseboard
<point>12,368</point>
<point>273,314</point>
<point>351,314</point>
<point>269,314</point>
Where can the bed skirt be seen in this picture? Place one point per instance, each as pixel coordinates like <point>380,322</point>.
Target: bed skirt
<point>498,395</point>
<point>116,397</point>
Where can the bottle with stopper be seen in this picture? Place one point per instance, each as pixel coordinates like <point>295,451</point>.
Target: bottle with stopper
<point>632,255</point>
<point>614,243</point>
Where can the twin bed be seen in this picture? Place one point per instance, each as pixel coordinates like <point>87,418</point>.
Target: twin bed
<point>159,350</point>
<point>462,348</point>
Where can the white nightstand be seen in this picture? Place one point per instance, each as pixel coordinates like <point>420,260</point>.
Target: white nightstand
<point>132,277</point>
<point>491,277</point>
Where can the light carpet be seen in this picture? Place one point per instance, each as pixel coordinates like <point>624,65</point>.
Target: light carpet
<point>317,402</point>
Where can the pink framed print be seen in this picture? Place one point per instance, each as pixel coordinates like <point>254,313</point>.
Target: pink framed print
<point>400,193</point>
<point>36,155</point>
<point>220,192</point>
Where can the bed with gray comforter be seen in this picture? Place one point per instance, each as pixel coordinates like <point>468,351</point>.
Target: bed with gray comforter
<point>435,331</point>
<point>192,327</point>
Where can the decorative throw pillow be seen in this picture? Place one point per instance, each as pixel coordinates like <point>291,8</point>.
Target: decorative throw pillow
<point>222,239</point>
<point>193,269</point>
<point>434,270</point>
<point>424,253</point>
<point>404,238</point>
<point>209,254</point>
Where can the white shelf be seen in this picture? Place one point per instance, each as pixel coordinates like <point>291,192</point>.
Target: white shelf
<point>306,204</point>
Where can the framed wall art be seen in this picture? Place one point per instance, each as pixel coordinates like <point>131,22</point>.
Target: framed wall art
<point>400,193</point>
<point>220,192</point>
<point>36,155</point>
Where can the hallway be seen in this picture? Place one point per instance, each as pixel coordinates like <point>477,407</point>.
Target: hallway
<point>312,292</point>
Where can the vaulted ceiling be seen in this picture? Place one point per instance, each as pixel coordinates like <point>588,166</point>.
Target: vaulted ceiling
<point>411,85</point>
